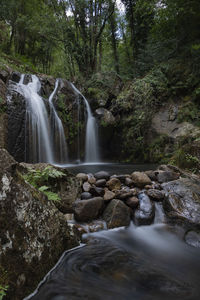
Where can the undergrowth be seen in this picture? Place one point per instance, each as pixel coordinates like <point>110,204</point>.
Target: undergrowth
<point>44,181</point>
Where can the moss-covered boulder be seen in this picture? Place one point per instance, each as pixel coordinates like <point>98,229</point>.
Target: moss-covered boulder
<point>33,232</point>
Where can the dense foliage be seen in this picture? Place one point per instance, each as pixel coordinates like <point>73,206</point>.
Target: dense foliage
<point>76,38</point>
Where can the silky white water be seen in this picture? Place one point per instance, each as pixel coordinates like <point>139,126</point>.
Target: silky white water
<point>45,138</point>
<point>58,135</point>
<point>37,124</point>
<point>91,137</point>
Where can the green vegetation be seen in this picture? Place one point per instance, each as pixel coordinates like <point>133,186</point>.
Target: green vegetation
<point>3,290</point>
<point>44,181</point>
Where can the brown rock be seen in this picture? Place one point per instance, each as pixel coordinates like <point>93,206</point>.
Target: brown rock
<point>132,202</point>
<point>147,187</point>
<point>140,179</point>
<point>129,182</point>
<point>91,179</point>
<point>135,191</point>
<point>122,195</point>
<point>82,176</point>
<point>156,194</point>
<point>87,210</point>
<point>116,214</point>
<point>113,184</point>
<point>108,195</point>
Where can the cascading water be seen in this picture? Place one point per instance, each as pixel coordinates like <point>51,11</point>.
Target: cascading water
<point>46,142</point>
<point>58,136</point>
<point>37,123</point>
<point>91,139</point>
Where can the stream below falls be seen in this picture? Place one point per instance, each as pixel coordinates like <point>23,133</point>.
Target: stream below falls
<point>142,263</point>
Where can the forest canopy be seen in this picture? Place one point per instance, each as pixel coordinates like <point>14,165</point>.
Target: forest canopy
<point>75,38</point>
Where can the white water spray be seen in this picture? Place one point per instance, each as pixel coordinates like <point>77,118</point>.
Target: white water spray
<point>91,140</point>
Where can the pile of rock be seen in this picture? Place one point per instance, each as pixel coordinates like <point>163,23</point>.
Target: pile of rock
<point>119,198</point>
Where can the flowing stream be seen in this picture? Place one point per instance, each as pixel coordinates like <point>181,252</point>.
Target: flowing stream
<point>91,137</point>
<point>144,263</point>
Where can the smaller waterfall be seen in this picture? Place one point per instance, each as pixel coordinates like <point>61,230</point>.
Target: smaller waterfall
<point>58,136</point>
<point>91,140</point>
<point>37,124</point>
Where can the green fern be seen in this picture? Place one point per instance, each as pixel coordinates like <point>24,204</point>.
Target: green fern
<point>40,180</point>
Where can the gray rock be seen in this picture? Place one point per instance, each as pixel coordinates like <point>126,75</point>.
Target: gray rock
<point>151,174</point>
<point>86,186</point>
<point>87,210</point>
<point>144,214</point>
<point>15,76</point>
<point>129,182</point>
<point>100,183</point>
<point>97,191</point>
<point>82,176</point>
<point>155,194</point>
<point>116,214</point>
<point>86,195</point>
<point>4,75</point>
<point>183,200</point>
<point>105,115</point>
<point>102,175</point>
<point>166,176</point>
<point>140,179</point>
<point>192,238</point>
<point>91,179</point>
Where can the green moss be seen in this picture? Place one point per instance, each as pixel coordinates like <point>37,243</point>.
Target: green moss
<point>3,282</point>
<point>189,112</point>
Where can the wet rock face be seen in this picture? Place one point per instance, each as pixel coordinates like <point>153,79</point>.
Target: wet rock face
<point>16,110</point>
<point>87,210</point>
<point>116,214</point>
<point>33,232</point>
<point>183,200</point>
<point>144,214</point>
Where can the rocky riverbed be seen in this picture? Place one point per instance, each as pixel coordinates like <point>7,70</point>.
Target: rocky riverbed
<point>35,231</point>
<point>117,200</point>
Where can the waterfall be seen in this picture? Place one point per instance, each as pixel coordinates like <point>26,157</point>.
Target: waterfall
<point>37,124</point>
<point>46,142</point>
<point>91,140</point>
<point>58,136</point>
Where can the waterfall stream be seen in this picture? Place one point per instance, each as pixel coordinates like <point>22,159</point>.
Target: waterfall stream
<point>45,140</point>
<point>37,124</point>
<point>91,138</point>
<point>58,138</point>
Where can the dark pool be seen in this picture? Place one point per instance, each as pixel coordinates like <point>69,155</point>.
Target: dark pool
<point>135,263</point>
<point>111,168</point>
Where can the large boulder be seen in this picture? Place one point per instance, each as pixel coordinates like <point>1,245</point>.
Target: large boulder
<point>145,213</point>
<point>33,232</point>
<point>182,202</point>
<point>87,210</point>
<point>67,186</point>
<point>116,214</point>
